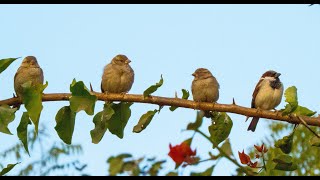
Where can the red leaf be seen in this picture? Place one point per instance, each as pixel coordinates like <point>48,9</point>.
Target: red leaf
<point>244,158</point>
<point>259,148</point>
<point>257,156</point>
<point>265,150</point>
<point>253,165</point>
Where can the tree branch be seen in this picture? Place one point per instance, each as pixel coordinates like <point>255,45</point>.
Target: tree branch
<point>164,101</point>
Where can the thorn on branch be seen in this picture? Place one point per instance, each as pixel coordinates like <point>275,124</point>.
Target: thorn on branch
<point>91,89</point>
<point>233,101</point>
<point>176,94</point>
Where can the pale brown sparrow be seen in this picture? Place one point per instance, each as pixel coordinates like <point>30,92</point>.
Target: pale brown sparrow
<point>118,76</point>
<point>205,87</point>
<point>29,70</point>
<point>267,95</point>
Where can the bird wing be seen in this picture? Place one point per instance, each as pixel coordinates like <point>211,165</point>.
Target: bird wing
<point>255,92</point>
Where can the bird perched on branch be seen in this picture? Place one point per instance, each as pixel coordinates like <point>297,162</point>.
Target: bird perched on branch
<point>267,95</point>
<point>205,87</point>
<point>29,70</point>
<point>118,76</point>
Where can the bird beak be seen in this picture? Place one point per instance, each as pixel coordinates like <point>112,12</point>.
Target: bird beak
<point>193,74</point>
<point>277,75</point>
<point>128,61</point>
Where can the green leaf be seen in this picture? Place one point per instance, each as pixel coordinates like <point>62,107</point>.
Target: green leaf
<point>81,99</point>
<point>285,163</point>
<point>100,121</point>
<point>285,144</point>
<point>315,141</point>
<point>292,100</point>
<point>144,121</point>
<point>153,88</point>
<point>303,111</point>
<point>32,100</point>
<point>207,172</point>
<point>4,63</point>
<point>283,158</point>
<point>155,168</point>
<point>116,164</point>
<point>185,95</point>
<point>131,166</point>
<point>120,118</point>
<point>194,126</point>
<point>65,120</point>
<point>22,130</point>
<point>286,167</point>
<point>7,115</point>
<point>226,147</point>
<point>7,169</point>
<point>220,128</point>
<point>172,174</point>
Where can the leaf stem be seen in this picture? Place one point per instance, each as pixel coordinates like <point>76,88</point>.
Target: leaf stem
<point>264,162</point>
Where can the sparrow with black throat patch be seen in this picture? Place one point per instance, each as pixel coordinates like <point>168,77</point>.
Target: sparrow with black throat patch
<point>267,95</point>
<point>205,87</point>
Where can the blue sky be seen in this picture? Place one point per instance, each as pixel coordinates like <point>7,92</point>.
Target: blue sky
<point>237,43</point>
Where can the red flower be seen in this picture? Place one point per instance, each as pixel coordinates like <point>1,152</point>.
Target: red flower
<point>245,159</point>
<point>181,153</point>
<point>253,165</point>
<point>261,148</point>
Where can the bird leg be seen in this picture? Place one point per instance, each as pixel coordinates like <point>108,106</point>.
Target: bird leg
<point>258,110</point>
<point>276,111</point>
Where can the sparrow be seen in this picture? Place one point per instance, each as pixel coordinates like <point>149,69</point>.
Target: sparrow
<point>118,76</point>
<point>29,70</point>
<point>267,95</point>
<point>205,87</point>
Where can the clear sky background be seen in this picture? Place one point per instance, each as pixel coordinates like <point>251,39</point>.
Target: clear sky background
<point>237,43</point>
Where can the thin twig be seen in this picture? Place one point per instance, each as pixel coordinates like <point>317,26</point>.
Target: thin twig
<point>306,125</point>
